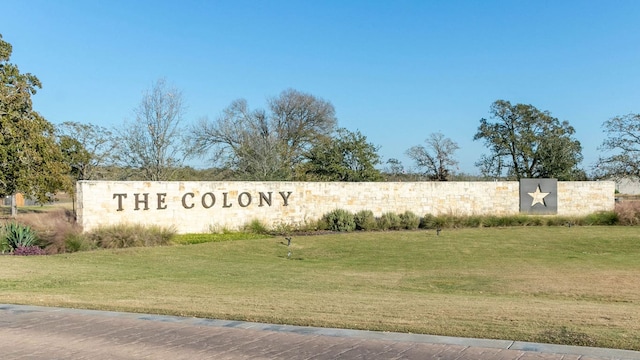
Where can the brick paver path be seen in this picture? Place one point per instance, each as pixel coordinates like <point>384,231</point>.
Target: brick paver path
<point>52,333</point>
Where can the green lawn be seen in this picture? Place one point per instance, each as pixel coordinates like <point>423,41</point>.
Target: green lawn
<point>577,285</point>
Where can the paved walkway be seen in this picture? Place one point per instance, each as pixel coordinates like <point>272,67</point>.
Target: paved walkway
<point>34,333</point>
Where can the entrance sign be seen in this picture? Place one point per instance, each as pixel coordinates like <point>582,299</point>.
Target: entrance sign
<point>201,206</point>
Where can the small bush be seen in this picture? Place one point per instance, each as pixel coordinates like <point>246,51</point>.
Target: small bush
<point>28,250</point>
<point>256,227</point>
<point>323,224</point>
<point>78,242</point>
<point>124,236</point>
<point>365,220</point>
<point>428,222</point>
<point>19,235</point>
<point>511,220</point>
<point>446,221</point>
<point>536,221</point>
<point>281,229</point>
<point>504,221</point>
<point>602,218</point>
<point>473,221</point>
<point>390,221</point>
<point>559,221</point>
<point>409,220</point>
<point>340,220</point>
<point>4,245</point>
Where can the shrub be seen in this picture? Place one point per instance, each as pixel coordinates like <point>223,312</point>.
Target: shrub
<point>323,224</point>
<point>78,242</point>
<point>125,235</point>
<point>390,221</point>
<point>281,229</point>
<point>4,246</point>
<point>256,227</point>
<point>520,220</point>
<point>409,220</point>
<point>19,235</point>
<point>490,221</point>
<point>365,220</point>
<point>428,222</point>
<point>446,221</point>
<point>511,220</point>
<point>472,221</point>
<point>536,221</point>
<point>28,250</point>
<point>559,221</point>
<point>340,220</point>
<point>602,218</point>
<point>53,229</point>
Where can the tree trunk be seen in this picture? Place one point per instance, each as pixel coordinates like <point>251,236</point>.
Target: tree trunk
<point>14,206</point>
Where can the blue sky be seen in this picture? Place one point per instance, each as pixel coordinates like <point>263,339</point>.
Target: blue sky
<point>395,70</point>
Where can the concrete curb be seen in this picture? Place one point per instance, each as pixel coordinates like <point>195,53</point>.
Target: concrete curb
<point>346,333</point>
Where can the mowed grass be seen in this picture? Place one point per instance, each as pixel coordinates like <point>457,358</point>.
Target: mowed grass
<point>572,285</point>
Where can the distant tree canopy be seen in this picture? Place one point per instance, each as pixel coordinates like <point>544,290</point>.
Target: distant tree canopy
<point>622,145</point>
<point>266,144</point>
<point>30,159</point>
<point>345,157</point>
<point>437,158</point>
<point>86,148</point>
<point>525,142</point>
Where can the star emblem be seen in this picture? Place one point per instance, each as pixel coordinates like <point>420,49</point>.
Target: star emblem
<point>538,196</point>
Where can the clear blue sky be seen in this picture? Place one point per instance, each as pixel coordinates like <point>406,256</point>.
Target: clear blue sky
<point>396,70</point>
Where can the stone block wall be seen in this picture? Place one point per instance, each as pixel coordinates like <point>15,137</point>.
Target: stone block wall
<point>585,197</point>
<point>196,207</point>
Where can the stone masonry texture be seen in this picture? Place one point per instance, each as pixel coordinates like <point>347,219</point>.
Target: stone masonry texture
<point>200,207</point>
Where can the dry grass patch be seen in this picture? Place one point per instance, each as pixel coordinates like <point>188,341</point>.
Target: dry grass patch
<point>628,212</point>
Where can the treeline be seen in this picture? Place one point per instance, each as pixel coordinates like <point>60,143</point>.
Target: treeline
<point>295,137</point>
<point>189,173</point>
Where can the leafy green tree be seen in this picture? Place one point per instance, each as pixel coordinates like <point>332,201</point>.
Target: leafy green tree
<point>525,142</point>
<point>30,159</point>
<point>622,145</point>
<point>265,144</point>
<point>437,158</point>
<point>86,148</point>
<point>345,157</point>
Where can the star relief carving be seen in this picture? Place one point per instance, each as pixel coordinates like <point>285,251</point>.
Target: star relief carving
<point>538,197</point>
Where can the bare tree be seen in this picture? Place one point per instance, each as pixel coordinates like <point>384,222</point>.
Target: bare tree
<point>265,145</point>
<point>623,146</point>
<point>299,120</point>
<point>394,167</point>
<point>436,158</point>
<point>153,145</point>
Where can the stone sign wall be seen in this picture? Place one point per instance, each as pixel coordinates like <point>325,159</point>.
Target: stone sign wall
<point>197,207</point>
